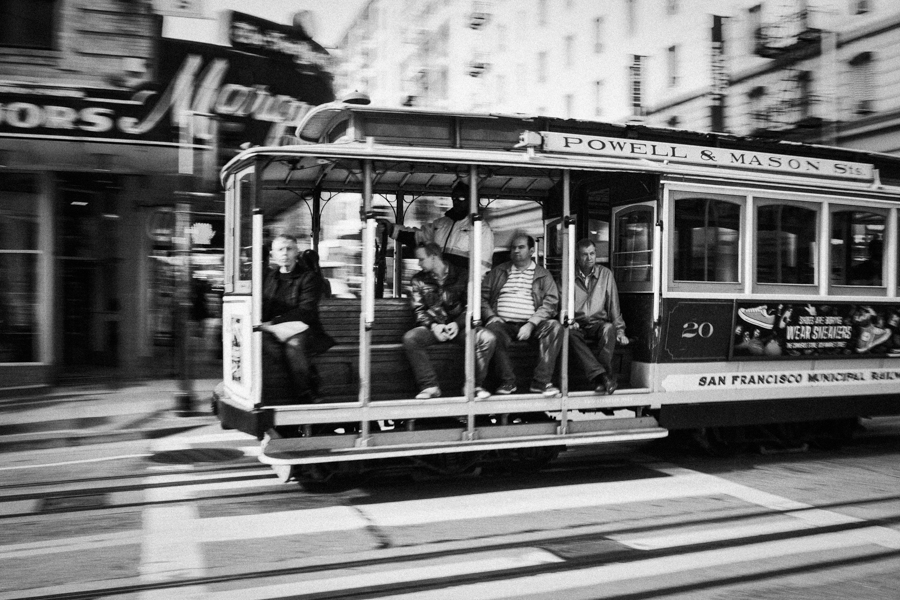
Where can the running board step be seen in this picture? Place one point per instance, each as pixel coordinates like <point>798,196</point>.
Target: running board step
<point>394,444</point>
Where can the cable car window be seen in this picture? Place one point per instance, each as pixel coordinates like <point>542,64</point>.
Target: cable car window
<point>857,245</point>
<point>245,228</point>
<point>707,237</point>
<point>634,245</point>
<point>786,244</point>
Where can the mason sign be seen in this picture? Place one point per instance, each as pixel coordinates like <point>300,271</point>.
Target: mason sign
<point>703,155</point>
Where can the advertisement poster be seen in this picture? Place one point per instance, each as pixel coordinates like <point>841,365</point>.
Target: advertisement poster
<point>815,329</point>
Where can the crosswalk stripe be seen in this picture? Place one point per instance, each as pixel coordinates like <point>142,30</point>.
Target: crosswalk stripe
<point>557,583</point>
<point>473,564</point>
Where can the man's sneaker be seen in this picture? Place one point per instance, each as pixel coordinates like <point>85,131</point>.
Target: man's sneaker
<point>481,393</point>
<point>506,389</point>
<point>429,392</point>
<point>870,337</point>
<point>758,316</point>
<point>547,390</point>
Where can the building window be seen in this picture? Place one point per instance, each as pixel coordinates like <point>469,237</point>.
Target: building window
<point>672,66</point>
<point>861,7</point>
<point>786,243</point>
<point>542,67</point>
<point>636,76</point>
<point>570,50</point>
<point>598,98</point>
<point>542,12</point>
<point>631,15</point>
<point>598,35</point>
<point>570,105</point>
<point>804,94</point>
<point>857,245</point>
<point>707,236</point>
<point>20,268</point>
<point>862,83</point>
<point>27,23</point>
<point>673,122</point>
<point>754,28</point>
<point>758,115</point>
<point>672,7</point>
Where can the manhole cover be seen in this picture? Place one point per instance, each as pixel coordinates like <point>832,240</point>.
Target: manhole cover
<point>196,455</point>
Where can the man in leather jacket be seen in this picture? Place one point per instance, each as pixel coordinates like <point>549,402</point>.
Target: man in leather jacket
<point>438,295</point>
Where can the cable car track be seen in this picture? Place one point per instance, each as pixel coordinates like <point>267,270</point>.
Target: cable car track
<point>591,550</point>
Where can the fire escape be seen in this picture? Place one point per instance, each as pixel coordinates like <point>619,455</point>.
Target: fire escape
<point>788,109</point>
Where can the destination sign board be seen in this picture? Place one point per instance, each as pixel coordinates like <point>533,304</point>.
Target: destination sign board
<point>704,155</point>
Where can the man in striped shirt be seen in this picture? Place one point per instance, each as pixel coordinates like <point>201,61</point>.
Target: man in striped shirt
<point>520,300</point>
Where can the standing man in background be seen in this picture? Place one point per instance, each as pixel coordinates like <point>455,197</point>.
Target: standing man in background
<point>450,232</point>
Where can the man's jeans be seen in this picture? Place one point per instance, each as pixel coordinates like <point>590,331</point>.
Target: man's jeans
<point>417,339</point>
<point>549,338</point>
<point>599,361</point>
<point>291,355</point>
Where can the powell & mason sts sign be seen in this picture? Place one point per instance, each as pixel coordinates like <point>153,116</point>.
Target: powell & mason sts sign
<point>703,155</point>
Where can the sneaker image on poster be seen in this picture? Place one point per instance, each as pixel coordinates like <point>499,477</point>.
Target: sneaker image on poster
<point>870,337</point>
<point>758,316</point>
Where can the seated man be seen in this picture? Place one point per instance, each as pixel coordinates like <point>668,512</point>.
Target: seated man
<point>292,332</point>
<point>438,298</point>
<point>520,298</point>
<point>597,318</point>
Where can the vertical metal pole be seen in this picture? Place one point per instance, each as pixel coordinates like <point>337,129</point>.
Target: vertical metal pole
<point>568,280</point>
<point>184,397</point>
<point>367,312</point>
<point>474,298</point>
<point>316,220</point>
<point>256,288</point>
<point>398,247</point>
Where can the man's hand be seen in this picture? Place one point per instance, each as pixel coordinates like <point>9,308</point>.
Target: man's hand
<point>385,225</point>
<point>440,332</point>
<point>494,319</point>
<point>573,324</point>
<point>621,338</point>
<point>525,331</point>
<point>451,329</point>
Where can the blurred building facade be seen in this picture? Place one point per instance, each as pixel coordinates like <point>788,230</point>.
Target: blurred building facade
<point>823,71</point>
<point>105,128</point>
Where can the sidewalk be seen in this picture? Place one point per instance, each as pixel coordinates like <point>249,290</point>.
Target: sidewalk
<point>76,416</point>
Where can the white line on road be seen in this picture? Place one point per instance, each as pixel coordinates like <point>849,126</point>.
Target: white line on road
<point>478,562</point>
<point>555,584</point>
<point>75,462</point>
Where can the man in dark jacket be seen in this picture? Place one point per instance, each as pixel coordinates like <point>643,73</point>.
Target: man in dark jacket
<point>292,332</point>
<point>438,296</point>
<point>519,298</point>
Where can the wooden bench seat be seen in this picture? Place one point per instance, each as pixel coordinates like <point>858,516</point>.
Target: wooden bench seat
<point>392,377</point>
